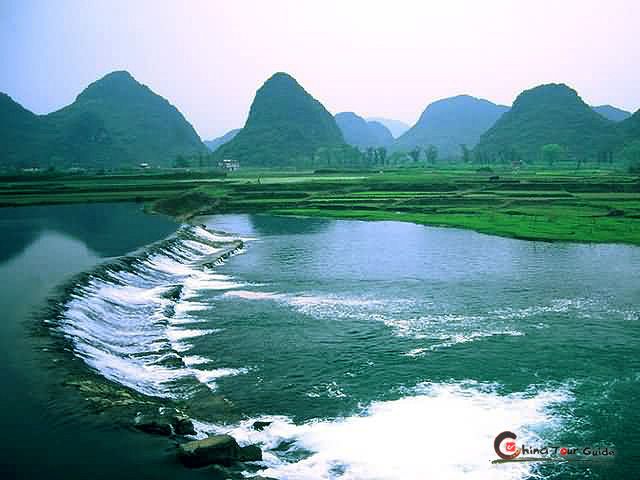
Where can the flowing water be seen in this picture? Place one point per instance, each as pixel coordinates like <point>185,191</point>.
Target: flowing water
<point>377,350</point>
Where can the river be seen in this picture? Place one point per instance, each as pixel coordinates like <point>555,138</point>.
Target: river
<point>376,350</point>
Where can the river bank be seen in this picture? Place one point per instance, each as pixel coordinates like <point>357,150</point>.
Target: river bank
<point>595,206</point>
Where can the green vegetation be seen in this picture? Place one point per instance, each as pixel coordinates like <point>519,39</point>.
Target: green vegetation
<point>631,128</point>
<point>450,122</point>
<point>631,153</point>
<point>115,121</point>
<point>21,133</point>
<point>286,126</point>
<point>550,114</point>
<point>553,153</point>
<point>118,123</point>
<point>530,176</point>
<point>64,188</point>
<point>545,204</point>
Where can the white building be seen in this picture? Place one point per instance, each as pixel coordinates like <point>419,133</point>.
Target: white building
<point>229,164</point>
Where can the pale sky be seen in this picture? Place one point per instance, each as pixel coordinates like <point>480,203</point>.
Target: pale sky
<point>376,58</point>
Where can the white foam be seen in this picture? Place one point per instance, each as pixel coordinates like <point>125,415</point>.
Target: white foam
<point>329,300</point>
<point>190,360</point>
<point>176,334</point>
<point>442,431</point>
<point>249,295</point>
<point>208,376</point>
<point>145,378</point>
<point>130,294</point>
<point>185,307</point>
<point>213,237</point>
<point>201,247</point>
<point>416,352</point>
<point>455,339</point>
<point>122,323</point>
<point>329,390</point>
<point>204,282</point>
<point>321,306</point>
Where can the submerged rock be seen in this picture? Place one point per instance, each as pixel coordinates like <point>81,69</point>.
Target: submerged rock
<point>158,425</point>
<point>212,408</point>
<point>217,450</point>
<point>104,396</point>
<point>173,293</point>
<point>164,422</point>
<point>183,426</point>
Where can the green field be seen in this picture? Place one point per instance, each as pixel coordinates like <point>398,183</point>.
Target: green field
<point>585,206</point>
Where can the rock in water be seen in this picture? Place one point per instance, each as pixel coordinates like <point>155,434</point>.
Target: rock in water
<point>164,422</point>
<point>183,426</point>
<point>218,450</point>
<point>260,425</point>
<point>156,424</point>
<point>250,453</point>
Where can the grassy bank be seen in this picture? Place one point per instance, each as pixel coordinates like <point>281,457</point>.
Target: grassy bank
<point>585,206</point>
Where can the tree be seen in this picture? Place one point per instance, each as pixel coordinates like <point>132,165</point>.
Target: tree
<point>181,162</point>
<point>370,155</point>
<point>631,152</point>
<point>381,155</point>
<point>415,154</point>
<point>552,153</point>
<point>432,154</point>
<point>397,158</point>
<point>466,153</point>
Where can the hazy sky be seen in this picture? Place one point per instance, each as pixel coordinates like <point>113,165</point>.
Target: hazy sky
<point>377,58</point>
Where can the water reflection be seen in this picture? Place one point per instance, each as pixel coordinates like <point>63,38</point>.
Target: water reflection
<point>99,226</point>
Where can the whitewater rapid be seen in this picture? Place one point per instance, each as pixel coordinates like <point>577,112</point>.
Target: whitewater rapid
<point>434,431</point>
<point>131,320</point>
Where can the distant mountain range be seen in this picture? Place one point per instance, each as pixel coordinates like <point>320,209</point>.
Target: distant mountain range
<point>550,114</point>
<point>361,133</point>
<point>396,127</point>
<point>451,122</point>
<point>217,142</point>
<point>612,113</point>
<point>115,121</point>
<point>285,123</point>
